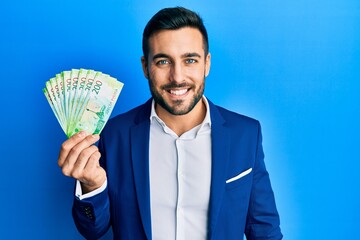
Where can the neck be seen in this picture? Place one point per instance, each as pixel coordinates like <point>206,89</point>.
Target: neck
<point>183,123</point>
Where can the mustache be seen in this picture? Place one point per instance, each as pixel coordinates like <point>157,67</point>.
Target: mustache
<point>175,85</point>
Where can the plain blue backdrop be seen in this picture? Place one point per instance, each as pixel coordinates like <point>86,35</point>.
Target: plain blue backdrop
<point>293,65</point>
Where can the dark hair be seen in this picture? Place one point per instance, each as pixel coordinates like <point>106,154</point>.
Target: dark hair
<point>172,19</point>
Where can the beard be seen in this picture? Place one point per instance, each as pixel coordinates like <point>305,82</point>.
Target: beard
<point>177,107</point>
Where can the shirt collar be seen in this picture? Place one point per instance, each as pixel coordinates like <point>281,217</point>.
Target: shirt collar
<point>204,125</point>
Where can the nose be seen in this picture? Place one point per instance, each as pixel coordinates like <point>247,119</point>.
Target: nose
<point>176,73</point>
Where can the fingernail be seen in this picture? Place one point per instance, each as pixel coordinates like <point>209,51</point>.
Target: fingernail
<point>81,134</point>
<point>96,136</point>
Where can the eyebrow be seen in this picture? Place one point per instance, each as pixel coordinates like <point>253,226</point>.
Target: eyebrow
<point>185,55</point>
<point>160,55</point>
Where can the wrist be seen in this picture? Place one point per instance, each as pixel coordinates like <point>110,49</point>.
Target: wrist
<point>86,187</point>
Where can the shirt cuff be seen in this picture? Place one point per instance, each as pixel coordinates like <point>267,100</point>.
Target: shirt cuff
<point>81,196</point>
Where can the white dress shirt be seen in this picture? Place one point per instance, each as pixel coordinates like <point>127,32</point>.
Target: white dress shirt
<point>180,175</point>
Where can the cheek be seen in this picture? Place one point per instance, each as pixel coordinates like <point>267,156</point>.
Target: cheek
<point>157,79</point>
<point>152,72</point>
<point>158,75</point>
<point>197,72</point>
<point>196,75</point>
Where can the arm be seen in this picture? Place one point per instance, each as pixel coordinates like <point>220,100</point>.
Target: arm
<point>262,220</point>
<point>79,159</point>
<point>92,215</point>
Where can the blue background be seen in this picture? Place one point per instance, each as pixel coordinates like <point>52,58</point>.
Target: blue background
<point>293,65</point>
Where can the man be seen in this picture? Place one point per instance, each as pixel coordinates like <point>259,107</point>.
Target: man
<point>177,167</point>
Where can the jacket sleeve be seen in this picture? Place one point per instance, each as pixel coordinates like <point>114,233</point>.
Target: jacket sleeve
<point>263,221</point>
<point>92,215</point>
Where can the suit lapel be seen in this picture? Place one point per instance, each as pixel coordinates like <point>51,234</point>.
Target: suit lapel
<point>140,158</point>
<point>220,136</point>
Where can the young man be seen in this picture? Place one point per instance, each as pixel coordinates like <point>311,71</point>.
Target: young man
<point>178,166</point>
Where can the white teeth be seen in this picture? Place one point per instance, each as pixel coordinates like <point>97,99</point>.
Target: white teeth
<point>178,92</point>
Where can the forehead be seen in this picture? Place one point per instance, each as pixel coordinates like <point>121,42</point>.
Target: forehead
<point>179,41</point>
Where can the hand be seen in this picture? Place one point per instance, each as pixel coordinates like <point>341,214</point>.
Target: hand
<point>79,158</point>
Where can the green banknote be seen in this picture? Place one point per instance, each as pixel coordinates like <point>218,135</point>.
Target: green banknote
<point>66,78</point>
<point>72,93</point>
<point>82,99</point>
<point>55,100</point>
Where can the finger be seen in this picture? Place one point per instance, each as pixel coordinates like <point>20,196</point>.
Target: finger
<point>68,145</point>
<point>80,163</point>
<point>78,150</point>
<point>93,163</point>
<point>93,174</point>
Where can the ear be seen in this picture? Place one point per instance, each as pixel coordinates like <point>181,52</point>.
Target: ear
<point>207,64</point>
<point>144,67</point>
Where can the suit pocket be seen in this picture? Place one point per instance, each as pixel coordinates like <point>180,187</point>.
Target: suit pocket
<point>239,179</point>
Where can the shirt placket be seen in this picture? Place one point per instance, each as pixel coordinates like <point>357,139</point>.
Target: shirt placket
<point>180,196</point>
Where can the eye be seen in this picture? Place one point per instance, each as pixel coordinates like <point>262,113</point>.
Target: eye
<point>162,62</point>
<point>190,61</point>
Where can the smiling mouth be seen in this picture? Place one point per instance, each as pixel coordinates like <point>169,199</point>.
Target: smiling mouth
<point>178,92</point>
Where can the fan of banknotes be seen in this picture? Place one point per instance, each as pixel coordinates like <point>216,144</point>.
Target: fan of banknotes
<point>82,99</point>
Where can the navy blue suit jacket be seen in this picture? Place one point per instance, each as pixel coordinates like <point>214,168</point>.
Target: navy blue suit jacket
<point>245,205</point>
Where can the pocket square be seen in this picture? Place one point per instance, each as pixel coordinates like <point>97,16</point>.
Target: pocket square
<point>239,176</point>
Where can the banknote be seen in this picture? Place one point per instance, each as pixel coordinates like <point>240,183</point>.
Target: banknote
<point>82,99</point>
<point>77,95</point>
<point>74,84</point>
<point>54,96</point>
<point>85,85</point>
<point>59,91</point>
<point>98,104</point>
<point>66,78</point>
<point>50,101</point>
